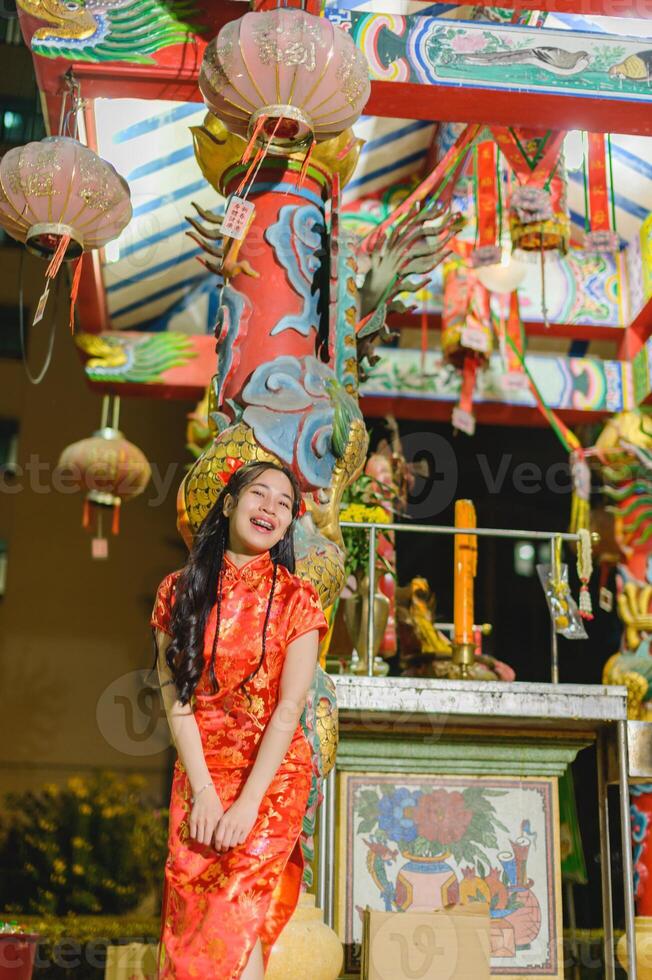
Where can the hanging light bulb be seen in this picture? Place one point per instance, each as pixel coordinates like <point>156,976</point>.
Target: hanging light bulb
<point>504,276</point>
<point>574,150</point>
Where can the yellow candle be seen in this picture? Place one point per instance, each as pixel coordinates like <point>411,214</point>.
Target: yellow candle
<point>466,556</point>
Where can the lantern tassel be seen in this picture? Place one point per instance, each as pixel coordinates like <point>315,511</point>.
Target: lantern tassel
<point>251,169</point>
<point>306,161</point>
<point>115,523</point>
<point>257,162</point>
<point>58,257</point>
<point>260,122</point>
<point>74,289</point>
<point>86,513</point>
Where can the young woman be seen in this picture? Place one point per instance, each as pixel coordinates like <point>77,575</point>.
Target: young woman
<point>237,635</point>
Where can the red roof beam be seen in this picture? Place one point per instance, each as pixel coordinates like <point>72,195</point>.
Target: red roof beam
<point>602,8</point>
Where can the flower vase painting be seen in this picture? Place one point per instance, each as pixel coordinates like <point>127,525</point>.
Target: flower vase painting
<point>422,843</point>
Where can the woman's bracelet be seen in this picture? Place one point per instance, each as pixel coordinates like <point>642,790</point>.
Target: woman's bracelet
<point>199,791</point>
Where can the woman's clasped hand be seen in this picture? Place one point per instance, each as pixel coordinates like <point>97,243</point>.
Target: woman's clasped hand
<point>210,824</point>
<point>205,815</point>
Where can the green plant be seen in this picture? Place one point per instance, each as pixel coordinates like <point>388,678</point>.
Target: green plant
<point>93,845</point>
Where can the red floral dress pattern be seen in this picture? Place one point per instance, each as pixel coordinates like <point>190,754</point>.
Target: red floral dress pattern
<point>217,905</point>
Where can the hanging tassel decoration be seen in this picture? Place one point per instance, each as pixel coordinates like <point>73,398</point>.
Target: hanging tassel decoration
<point>260,153</point>
<point>115,523</point>
<point>513,330</point>
<point>50,273</point>
<point>306,162</point>
<point>86,513</point>
<point>260,122</point>
<point>74,290</point>
<point>463,418</point>
<point>468,383</point>
<point>58,257</point>
<point>584,570</point>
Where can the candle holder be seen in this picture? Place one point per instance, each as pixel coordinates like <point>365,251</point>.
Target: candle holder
<point>463,660</point>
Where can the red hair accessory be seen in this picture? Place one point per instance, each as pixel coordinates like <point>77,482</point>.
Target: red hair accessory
<point>302,507</point>
<point>230,465</point>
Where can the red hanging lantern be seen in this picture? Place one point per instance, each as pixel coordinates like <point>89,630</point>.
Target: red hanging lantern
<point>110,469</point>
<point>539,218</point>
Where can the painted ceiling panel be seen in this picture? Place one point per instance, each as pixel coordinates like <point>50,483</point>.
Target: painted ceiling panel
<point>154,262</point>
<point>394,150</point>
<point>626,26</point>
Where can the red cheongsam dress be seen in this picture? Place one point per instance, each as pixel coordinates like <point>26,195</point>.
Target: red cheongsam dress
<point>217,904</point>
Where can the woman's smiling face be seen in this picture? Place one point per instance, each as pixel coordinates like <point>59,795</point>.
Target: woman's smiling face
<point>262,513</point>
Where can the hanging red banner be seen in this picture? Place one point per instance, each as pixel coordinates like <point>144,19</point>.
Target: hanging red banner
<point>487,196</point>
<point>598,192</point>
<point>601,237</point>
<point>514,331</point>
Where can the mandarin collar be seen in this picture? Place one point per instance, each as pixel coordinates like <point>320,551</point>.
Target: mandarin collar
<point>251,572</point>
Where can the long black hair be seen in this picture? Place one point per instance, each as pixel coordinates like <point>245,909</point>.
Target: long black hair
<point>199,585</point>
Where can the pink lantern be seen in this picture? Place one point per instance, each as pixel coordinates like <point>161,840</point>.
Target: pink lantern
<point>284,78</point>
<point>57,195</point>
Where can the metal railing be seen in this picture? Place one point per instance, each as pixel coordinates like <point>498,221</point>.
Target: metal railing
<point>480,532</point>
